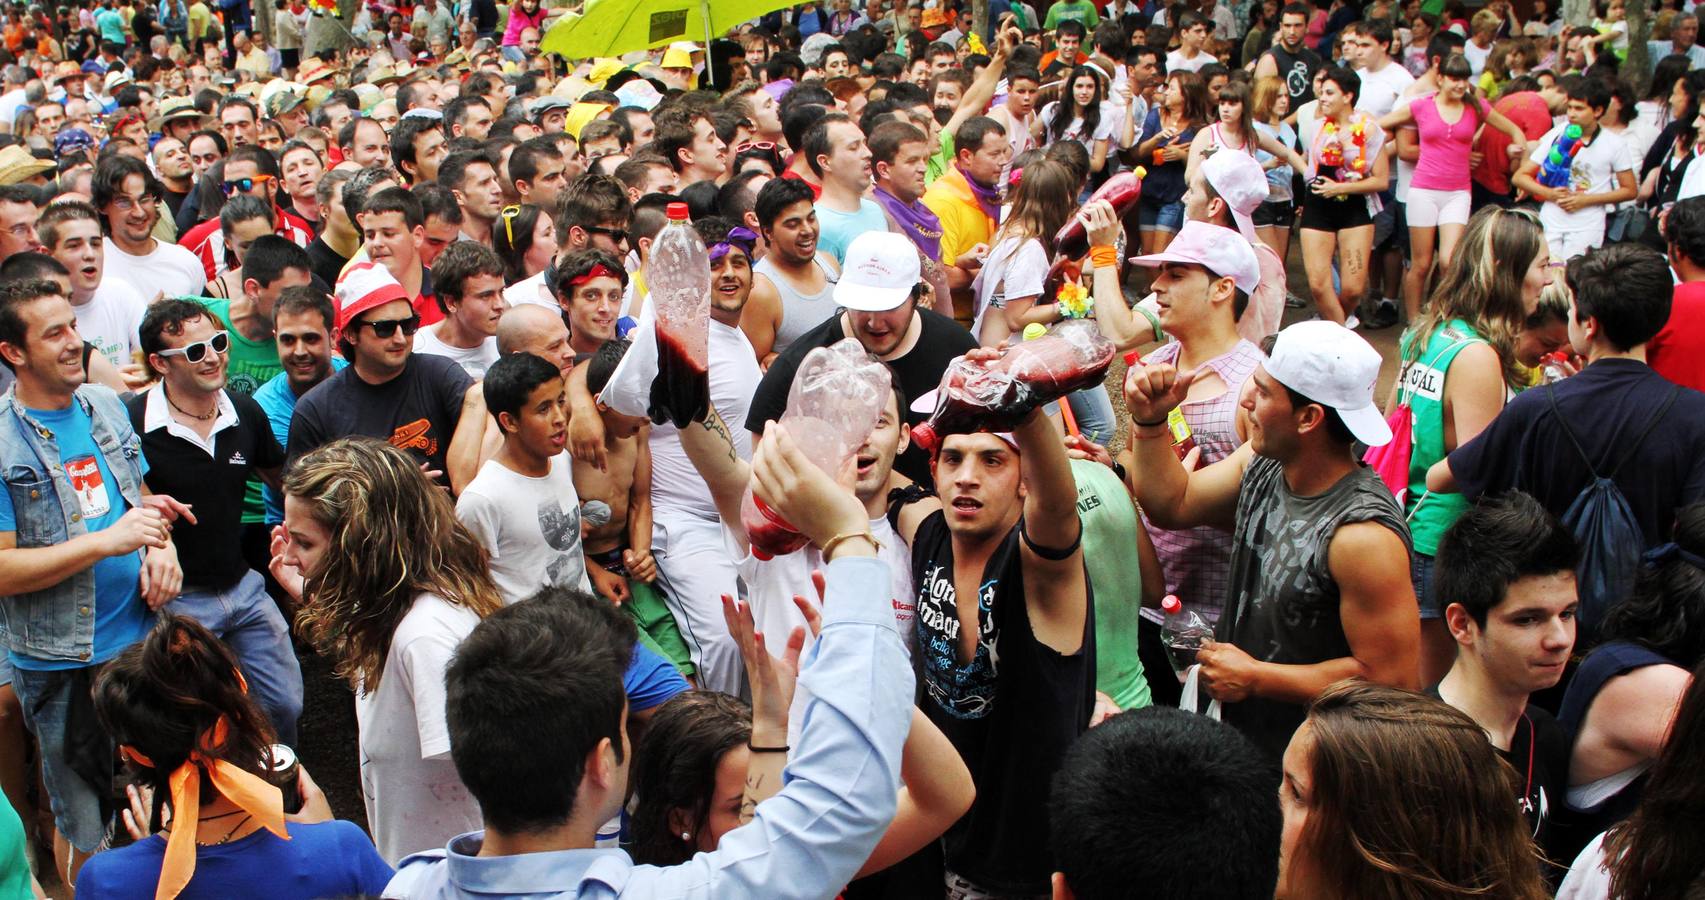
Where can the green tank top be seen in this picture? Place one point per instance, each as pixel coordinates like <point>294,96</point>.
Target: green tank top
<point>1116,581</point>
<point>248,365</point>
<point>1423,388</point>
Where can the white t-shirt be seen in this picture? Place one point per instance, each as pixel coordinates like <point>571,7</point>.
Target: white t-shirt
<point>10,103</point>
<point>1381,89</point>
<point>1016,267</point>
<point>415,800</point>
<point>771,586</point>
<point>1588,879</point>
<point>530,290</point>
<point>1476,57</point>
<point>530,526</point>
<point>1176,61</point>
<point>473,361</point>
<point>169,269</point>
<point>1593,171</point>
<point>112,320</point>
<point>676,485</point>
<point>1107,125</point>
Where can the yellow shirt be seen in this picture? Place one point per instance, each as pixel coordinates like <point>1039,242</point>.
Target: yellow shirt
<point>256,61</point>
<point>963,224</point>
<point>200,17</point>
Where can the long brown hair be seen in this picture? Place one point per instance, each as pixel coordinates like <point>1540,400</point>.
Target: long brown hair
<point>394,536</point>
<point>1239,93</point>
<point>1483,286</point>
<point>1195,93</point>
<point>1410,802</point>
<point>1045,199</point>
<point>674,768</point>
<point>1658,853</point>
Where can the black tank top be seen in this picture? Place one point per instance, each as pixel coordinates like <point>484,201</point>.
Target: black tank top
<point>1011,712</point>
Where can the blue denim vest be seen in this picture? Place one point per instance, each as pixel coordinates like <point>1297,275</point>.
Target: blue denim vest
<point>59,622</point>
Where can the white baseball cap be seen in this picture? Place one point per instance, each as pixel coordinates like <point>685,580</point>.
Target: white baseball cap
<point>881,272</point>
<point>1334,367</point>
<point>1240,182</point>
<point>1221,251</point>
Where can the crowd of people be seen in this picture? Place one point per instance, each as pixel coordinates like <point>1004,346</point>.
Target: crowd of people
<point>343,338</point>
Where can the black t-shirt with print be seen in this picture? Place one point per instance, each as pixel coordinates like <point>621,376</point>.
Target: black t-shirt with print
<point>416,411</point>
<point>919,372</point>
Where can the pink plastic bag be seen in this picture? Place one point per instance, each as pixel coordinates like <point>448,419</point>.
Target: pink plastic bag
<point>1391,461</point>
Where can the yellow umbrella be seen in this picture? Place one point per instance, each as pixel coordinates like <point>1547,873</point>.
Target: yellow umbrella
<point>615,27</point>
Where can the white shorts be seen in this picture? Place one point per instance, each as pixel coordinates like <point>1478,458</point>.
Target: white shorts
<point>1566,245</point>
<point>1430,209</point>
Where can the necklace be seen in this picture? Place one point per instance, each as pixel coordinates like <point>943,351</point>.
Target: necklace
<point>199,417</point>
<point>227,838</point>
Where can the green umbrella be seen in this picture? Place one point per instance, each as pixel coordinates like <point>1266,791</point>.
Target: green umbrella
<point>615,27</point>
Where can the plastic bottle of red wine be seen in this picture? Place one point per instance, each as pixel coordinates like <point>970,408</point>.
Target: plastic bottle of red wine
<point>996,396</point>
<point>679,277</point>
<point>837,395</point>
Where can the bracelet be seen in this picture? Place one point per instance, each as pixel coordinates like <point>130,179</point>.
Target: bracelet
<point>1153,320</point>
<point>1104,257</point>
<point>756,749</point>
<point>1148,424</point>
<point>829,545</point>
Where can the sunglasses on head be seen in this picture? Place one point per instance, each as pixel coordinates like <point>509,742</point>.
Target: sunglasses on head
<point>509,213</point>
<point>196,352</point>
<point>245,185</point>
<point>384,329</point>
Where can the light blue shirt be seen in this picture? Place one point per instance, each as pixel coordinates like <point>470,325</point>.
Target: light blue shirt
<point>278,401</point>
<point>837,229</point>
<point>1656,50</point>
<point>839,788</point>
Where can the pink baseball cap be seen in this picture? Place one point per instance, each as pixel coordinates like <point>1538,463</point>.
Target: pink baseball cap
<point>1240,182</point>
<point>1221,251</point>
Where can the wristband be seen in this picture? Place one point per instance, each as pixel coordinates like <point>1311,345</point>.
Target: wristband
<point>831,543</point>
<point>1104,257</point>
<point>756,749</point>
<point>1154,322</point>
<point>1148,424</point>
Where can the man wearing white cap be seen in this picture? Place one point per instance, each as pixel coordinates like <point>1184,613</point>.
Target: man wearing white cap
<point>878,292</point>
<point>1320,557</point>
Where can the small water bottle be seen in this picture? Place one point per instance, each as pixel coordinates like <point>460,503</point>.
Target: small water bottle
<point>1183,633</point>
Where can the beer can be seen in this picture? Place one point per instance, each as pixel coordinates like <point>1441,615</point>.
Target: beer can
<point>283,770</point>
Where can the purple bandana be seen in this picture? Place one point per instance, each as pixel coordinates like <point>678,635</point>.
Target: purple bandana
<point>988,198</point>
<point>915,219</point>
<point>738,236</point>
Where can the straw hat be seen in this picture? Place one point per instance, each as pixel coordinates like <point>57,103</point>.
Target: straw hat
<point>314,69</point>
<point>174,108</point>
<point>17,165</point>
<point>383,75</point>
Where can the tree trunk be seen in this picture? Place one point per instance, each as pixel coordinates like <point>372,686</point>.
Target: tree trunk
<point>1637,68</point>
<point>980,18</point>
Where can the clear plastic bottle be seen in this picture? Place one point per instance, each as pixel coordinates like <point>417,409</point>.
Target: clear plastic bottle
<point>1183,634</point>
<point>996,396</point>
<point>678,275</point>
<point>837,395</point>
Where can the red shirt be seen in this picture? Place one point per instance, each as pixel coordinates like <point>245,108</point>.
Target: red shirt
<point>207,241</point>
<point>816,189</point>
<point>1528,110</point>
<point>1678,351</point>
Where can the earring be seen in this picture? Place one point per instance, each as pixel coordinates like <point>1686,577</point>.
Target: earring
<point>685,836</point>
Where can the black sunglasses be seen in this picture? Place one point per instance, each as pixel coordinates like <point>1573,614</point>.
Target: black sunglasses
<point>244,185</point>
<point>614,234</point>
<point>384,329</point>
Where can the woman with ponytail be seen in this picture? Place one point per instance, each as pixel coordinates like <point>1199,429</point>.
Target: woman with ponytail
<point>200,747</point>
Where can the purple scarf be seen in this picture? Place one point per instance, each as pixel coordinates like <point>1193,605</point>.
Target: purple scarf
<point>989,198</point>
<point>916,221</point>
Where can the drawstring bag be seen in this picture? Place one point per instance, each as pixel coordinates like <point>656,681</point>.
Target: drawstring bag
<point>1390,461</point>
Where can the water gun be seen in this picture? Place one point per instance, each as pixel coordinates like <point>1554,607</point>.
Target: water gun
<point>1554,173</point>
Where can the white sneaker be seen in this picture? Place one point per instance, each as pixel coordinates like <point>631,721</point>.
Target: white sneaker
<point>1352,323</point>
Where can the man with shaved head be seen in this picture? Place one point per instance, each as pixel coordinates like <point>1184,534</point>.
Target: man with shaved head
<point>539,330</point>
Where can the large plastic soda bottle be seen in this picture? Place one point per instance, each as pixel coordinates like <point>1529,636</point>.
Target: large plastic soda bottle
<point>996,396</point>
<point>679,276</point>
<point>1183,634</point>
<point>837,395</point>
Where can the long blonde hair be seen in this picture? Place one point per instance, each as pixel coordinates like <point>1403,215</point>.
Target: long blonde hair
<point>1045,199</point>
<point>394,536</point>
<point>1483,286</point>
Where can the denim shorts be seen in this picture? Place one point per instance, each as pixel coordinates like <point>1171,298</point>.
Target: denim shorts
<point>1421,576</point>
<point>1168,217</point>
<point>46,699</point>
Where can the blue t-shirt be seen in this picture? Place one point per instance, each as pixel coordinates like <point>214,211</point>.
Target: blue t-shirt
<point>837,229</point>
<point>650,680</point>
<point>121,618</point>
<point>278,401</point>
<point>328,859</point>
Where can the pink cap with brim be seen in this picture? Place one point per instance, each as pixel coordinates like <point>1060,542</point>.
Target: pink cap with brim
<point>1221,251</point>
<point>363,287</point>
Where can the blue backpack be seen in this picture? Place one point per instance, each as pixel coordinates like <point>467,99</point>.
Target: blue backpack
<point>1609,536</point>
